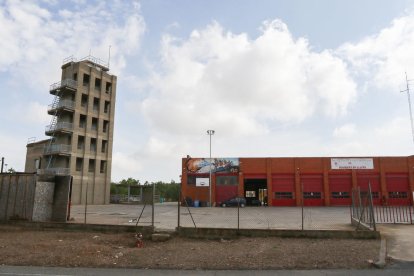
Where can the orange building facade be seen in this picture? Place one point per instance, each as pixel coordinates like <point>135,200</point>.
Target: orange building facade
<point>322,181</point>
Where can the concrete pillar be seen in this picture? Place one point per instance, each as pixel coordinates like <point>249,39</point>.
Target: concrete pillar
<point>269,181</point>
<point>298,188</point>
<point>326,191</point>
<point>43,201</point>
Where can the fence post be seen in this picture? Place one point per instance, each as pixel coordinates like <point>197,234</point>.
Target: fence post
<point>238,215</point>
<point>302,202</point>
<point>179,211</point>
<point>371,206</point>
<point>86,201</point>
<point>153,204</point>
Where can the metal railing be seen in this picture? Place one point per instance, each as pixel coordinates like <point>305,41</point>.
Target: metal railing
<point>57,148</point>
<point>59,126</point>
<point>62,104</point>
<point>89,58</point>
<point>64,83</point>
<point>54,171</point>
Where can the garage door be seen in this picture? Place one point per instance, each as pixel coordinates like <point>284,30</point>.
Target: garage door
<point>283,187</point>
<point>226,187</point>
<point>312,189</point>
<point>340,187</point>
<point>374,179</point>
<point>398,189</point>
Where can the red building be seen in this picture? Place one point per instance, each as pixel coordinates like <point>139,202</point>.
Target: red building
<point>324,181</point>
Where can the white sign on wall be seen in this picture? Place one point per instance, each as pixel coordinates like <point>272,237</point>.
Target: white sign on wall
<point>202,182</point>
<point>352,163</point>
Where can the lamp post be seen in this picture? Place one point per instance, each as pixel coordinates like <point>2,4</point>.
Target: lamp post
<point>210,132</point>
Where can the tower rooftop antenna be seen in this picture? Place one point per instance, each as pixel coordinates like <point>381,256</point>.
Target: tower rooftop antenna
<point>409,104</point>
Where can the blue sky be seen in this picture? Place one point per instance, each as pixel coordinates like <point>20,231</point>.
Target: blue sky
<point>273,78</point>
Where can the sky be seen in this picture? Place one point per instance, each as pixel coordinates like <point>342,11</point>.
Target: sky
<point>272,78</point>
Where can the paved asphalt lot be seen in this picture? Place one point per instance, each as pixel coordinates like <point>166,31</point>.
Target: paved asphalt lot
<point>166,216</point>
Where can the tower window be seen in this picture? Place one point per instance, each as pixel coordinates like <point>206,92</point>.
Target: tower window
<point>79,164</point>
<point>97,84</point>
<point>108,87</point>
<point>103,166</point>
<point>82,121</point>
<point>86,79</point>
<point>91,165</point>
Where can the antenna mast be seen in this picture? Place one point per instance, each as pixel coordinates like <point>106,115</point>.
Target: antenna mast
<point>409,104</point>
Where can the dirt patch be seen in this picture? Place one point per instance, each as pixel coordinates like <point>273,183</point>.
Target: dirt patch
<point>92,249</point>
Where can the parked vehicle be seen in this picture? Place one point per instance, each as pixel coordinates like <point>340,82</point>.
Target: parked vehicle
<point>235,201</point>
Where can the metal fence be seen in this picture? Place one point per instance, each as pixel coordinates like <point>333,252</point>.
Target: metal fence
<point>362,211</point>
<point>148,209</point>
<point>239,214</point>
<point>394,214</point>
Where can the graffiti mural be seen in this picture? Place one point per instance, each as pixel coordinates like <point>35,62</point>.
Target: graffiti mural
<point>202,165</point>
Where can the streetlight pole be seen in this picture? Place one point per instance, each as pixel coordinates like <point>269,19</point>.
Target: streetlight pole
<point>210,132</point>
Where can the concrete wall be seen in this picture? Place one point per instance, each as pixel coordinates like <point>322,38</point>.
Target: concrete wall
<point>24,196</point>
<point>17,196</point>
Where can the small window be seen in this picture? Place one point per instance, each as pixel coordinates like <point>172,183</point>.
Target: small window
<point>79,164</point>
<point>84,100</point>
<point>283,195</point>
<point>81,142</point>
<point>108,87</point>
<point>97,84</point>
<point>75,76</point>
<point>91,165</point>
<point>37,164</point>
<point>105,126</point>
<point>82,121</point>
<point>95,104</point>
<point>228,180</point>
<point>106,107</point>
<point>103,166</point>
<point>86,79</point>
<point>312,195</point>
<point>93,145</point>
<point>397,195</point>
<point>94,124</point>
<point>340,195</point>
<point>104,146</point>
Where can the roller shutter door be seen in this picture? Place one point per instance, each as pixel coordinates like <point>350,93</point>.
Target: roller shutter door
<point>312,189</point>
<point>283,188</point>
<point>340,187</point>
<point>398,189</point>
<point>374,179</point>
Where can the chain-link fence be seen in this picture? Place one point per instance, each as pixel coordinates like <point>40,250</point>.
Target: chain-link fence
<point>237,212</point>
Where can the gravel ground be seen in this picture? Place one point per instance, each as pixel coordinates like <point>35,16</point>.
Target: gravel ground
<point>92,249</point>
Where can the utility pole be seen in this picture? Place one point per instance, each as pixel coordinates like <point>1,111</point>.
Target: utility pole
<point>210,132</point>
<point>2,163</point>
<point>409,104</point>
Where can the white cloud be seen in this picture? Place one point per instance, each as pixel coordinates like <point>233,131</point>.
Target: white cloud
<point>239,86</point>
<point>345,131</point>
<point>384,57</point>
<point>32,36</point>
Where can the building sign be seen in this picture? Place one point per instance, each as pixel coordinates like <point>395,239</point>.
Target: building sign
<point>352,163</point>
<point>202,182</point>
<point>202,165</point>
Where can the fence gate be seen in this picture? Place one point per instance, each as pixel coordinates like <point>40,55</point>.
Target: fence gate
<point>362,211</point>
